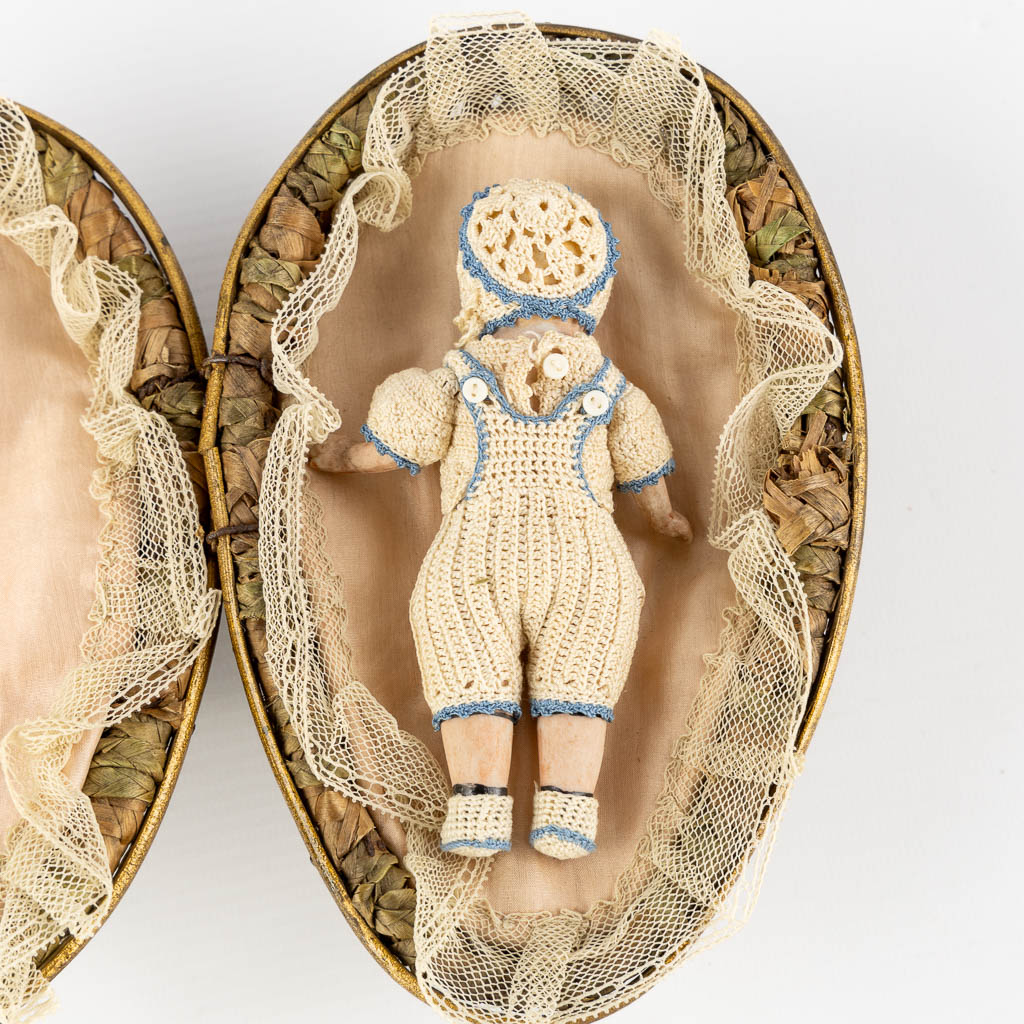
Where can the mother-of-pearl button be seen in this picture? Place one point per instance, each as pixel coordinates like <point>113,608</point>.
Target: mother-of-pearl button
<point>595,403</point>
<point>474,390</point>
<point>555,366</point>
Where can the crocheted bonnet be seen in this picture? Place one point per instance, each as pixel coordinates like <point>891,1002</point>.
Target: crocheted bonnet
<point>532,248</point>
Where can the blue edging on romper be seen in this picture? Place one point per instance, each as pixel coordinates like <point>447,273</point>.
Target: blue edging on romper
<point>477,844</point>
<point>541,707</point>
<point>587,429</point>
<point>479,370</point>
<point>403,463</point>
<point>636,486</point>
<point>481,441</point>
<point>476,707</point>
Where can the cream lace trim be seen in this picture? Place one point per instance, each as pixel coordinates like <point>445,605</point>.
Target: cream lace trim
<point>152,613</point>
<point>696,873</point>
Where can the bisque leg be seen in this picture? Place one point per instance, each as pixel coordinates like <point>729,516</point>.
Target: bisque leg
<point>479,754</point>
<point>339,455</point>
<point>478,749</point>
<point>569,751</point>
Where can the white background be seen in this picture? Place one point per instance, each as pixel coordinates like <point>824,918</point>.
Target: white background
<point>894,892</point>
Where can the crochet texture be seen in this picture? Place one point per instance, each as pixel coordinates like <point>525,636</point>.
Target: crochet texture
<point>478,825</point>
<point>527,555</point>
<point>564,824</point>
<point>532,248</point>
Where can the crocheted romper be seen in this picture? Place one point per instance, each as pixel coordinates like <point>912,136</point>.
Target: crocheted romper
<point>527,555</point>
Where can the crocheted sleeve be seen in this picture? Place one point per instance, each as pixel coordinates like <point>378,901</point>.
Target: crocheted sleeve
<point>411,416</point>
<point>640,449</point>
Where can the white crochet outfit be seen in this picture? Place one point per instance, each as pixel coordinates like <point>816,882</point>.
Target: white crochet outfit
<point>531,434</point>
<point>527,554</point>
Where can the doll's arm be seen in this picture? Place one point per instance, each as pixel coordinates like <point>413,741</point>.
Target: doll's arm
<point>341,455</point>
<point>409,426</point>
<point>641,458</point>
<point>661,516</point>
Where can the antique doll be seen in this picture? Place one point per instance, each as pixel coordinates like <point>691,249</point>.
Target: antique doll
<point>532,426</point>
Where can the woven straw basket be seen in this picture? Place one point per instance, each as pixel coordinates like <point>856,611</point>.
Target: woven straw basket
<point>281,241</point>
<point>134,750</point>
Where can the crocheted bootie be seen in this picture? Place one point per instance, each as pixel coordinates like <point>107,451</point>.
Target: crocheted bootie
<point>477,825</point>
<point>564,824</point>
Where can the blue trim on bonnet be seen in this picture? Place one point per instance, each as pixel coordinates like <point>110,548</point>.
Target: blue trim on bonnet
<point>476,707</point>
<point>566,308</point>
<point>403,463</point>
<point>568,834</point>
<point>636,486</point>
<point>476,844</point>
<point>539,708</point>
<point>546,309</point>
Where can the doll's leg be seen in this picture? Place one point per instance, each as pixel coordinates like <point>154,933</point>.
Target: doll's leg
<point>478,750</point>
<point>569,752</point>
<point>579,660</point>
<point>472,677</point>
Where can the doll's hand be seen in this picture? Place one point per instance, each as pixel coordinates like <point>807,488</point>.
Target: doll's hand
<point>661,516</point>
<point>337,455</point>
<point>333,455</point>
<point>674,524</point>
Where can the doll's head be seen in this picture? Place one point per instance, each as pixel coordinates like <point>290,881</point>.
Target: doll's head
<point>532,248</point>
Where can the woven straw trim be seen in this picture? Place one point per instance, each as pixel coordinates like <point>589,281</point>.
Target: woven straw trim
<point>283,251</point>
<point>281,255</point>
<point>123,788</point>
<point>809,493</point>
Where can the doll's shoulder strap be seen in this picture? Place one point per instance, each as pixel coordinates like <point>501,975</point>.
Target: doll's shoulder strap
<point>615,383</point>
<point>456,361</point>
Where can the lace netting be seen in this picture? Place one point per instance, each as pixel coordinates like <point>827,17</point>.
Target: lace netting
<point>695,874</point>
<point>152,613</point>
